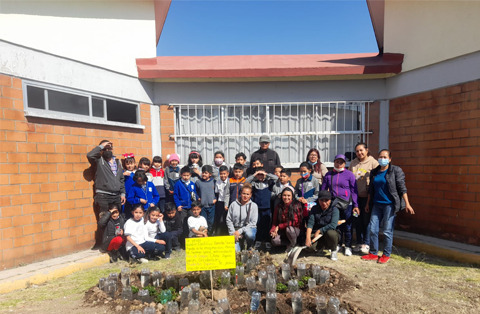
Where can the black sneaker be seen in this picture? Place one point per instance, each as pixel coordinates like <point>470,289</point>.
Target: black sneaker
<point>113,256</point>
<point>134,261</point>
<point>167,255</point>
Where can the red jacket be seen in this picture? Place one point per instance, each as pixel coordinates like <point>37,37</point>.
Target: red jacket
<point>283,221</point>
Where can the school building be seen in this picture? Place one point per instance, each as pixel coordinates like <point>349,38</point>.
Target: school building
<point>75,72</point>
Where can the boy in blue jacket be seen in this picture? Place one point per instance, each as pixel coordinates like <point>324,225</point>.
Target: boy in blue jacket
<point>142,191</point>
<point>184,191</point>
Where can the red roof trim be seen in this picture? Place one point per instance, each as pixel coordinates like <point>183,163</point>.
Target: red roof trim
<point>268,66</point>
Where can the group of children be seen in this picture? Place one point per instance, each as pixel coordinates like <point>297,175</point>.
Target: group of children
<point>166,205</point>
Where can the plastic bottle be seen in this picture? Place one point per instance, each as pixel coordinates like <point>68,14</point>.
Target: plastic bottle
<point>271,307</point>
<point>193,306</point>
<point>271,285</point>
<point>292,285</point>
<point>172,308</point>
<point>145,277</point>
<point>297,302</point>
<point>195,290</point>
<point>316,273</point>
<point>286,271</point>
<point>149,310</point>
<point>127,293</point>
<point>183,282</point>
<point>224,305</point>
<point>262,278</point>
<point>271,272</point>
<point>301,270</point>
<point>239,275</point>
<point>255,302</point>
<point>251,285</point>
<point>171,282</point>
<point>321,304</point>
<point>324,276</point>
<point>156,278</point>
<point>144,296</point>
<point>312,283</point>
<point>125,277</point>
<point>185,297</point>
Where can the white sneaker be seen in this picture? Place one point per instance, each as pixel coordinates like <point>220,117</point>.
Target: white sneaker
<point>348,251</point>
<point>143,260</point>
<point>365,249</point>
<point>334,256</point>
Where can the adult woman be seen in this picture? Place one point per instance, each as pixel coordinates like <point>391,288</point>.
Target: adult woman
<point>319,169</point>
<point>387,195</point>
<point>361,168</point>
<point>341,183</point>
<point>287,220</point>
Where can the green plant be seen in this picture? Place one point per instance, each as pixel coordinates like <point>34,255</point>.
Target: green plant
<point>175,294</point>
<point>151,290</point>
<point>134,289</point>
<point>301,284</point>
<point>281,287</point>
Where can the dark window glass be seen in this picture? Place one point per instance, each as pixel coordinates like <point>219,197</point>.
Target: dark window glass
<point>97,107</point>
<point>69,103</point>
<point>35,97</point>
<point>121,112</point>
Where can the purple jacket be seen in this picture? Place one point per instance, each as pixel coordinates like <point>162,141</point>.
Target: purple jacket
<point>341,184</point>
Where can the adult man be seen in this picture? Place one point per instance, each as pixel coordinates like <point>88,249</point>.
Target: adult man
<point>268,157</point>
<point>109,182</point>
<point>323,222</point>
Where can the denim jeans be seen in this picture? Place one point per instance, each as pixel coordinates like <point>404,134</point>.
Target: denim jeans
<point>167,237</point>
<point>387,213</point>
<point>151,248</point>
<point>209,214</point>
<point>264,223</point>
<point>346,228</point>
<point>248,236</point>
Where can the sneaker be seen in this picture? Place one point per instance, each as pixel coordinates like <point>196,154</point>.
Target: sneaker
<point>357,248</point>
<point>155,258</point>
<point>370,257</point>
<point>143,260</point>
<point>348,251</point>
<point>365,249</point>
<point>334,256</point>
<point>167,255</point>
<point>383,259</point>
<point>268,246</point>
<point>113,256</point>
<point>257,246</point>
<point>134,261</point>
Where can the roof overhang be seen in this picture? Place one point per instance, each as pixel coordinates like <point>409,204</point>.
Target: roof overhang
<point>377,16</point>
<point>269,67</point>
<point>161,8</point>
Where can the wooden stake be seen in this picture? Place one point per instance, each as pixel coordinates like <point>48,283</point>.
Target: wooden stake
<point>211,283</point>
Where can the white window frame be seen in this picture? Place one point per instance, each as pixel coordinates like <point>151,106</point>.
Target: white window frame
<point>57,115</point>
<point>362,133</point>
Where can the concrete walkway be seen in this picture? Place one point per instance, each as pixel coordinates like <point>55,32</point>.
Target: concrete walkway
<point>37,273</point>
<point>40,272</point>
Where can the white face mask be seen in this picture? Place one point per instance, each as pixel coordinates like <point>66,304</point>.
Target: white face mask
<point>339,169</point>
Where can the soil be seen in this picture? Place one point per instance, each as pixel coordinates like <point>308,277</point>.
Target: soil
<point>239,299</point>
<point>411,282</point>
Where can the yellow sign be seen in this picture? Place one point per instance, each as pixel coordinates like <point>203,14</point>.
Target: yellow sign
<point>210,253</point>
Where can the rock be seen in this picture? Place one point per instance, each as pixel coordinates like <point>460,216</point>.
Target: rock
<point>359,285</point>
<point>330,284</point>
<point>152,304</point>
<point>106,302</point>
<point>160,307</point>
<point>118,308</point>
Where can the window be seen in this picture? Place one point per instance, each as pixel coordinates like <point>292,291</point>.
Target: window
<point>294,128</point>
<point>65,104</point>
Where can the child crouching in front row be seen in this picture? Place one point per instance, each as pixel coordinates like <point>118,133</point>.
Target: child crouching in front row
<point>113,239</point>
<point>173,221</point>
<point>155,231</point>
<point>197,224</point>
<point>135,231</point>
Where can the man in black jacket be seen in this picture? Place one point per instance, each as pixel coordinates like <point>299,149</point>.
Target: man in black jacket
<point>109,184</point>
<point>268,157</point>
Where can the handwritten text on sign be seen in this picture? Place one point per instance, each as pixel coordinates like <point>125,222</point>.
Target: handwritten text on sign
<point>210,253</point>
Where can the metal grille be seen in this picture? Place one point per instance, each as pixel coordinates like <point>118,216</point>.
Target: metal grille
<point>294,128</point>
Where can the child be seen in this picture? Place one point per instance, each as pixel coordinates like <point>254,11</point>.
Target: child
<point>142,191</point>
<point>113,225</point>
<point>158,174</point>
<point>221,206</point>
<point>262,184</point>
<point>131,166</point>
<point>256,162</point>
<point>136,245</point>
<point>242,219</point>
<point>172,175</point>
<point>282,182</point>
<point>307,188</point>
<point>206,195</point>
<point>219,160</point>
<point>144,163</point>
<point>195,163</point>
<point>197,224</point>
<point>174,225</point>
<point>184,192</point>
<point>155,230</point>
<point>277,170</point>
<point>236,182</point>
<point>241,158</point>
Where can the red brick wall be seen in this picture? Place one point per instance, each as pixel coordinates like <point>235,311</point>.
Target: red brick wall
<point>45,202</point>
<point>435,138</point>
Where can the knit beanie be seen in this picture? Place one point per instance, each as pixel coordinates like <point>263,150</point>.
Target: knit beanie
<point>174,157</point>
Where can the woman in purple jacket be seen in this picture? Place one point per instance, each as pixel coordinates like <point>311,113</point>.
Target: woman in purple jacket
<point>343,186</point>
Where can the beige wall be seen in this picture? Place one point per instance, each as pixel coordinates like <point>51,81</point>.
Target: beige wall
<point>428,32</point>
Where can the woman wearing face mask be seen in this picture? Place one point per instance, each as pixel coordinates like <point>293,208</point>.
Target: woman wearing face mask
<point>319,169</point>
<point>387,195</point>
<point>361,168</point>
<point>343,186</point>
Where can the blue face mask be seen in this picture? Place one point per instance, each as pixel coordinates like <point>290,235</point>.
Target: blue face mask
<point>383,162</point>
<point>312,163</point>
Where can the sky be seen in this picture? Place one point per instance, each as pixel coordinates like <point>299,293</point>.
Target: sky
<point>241,27</point>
